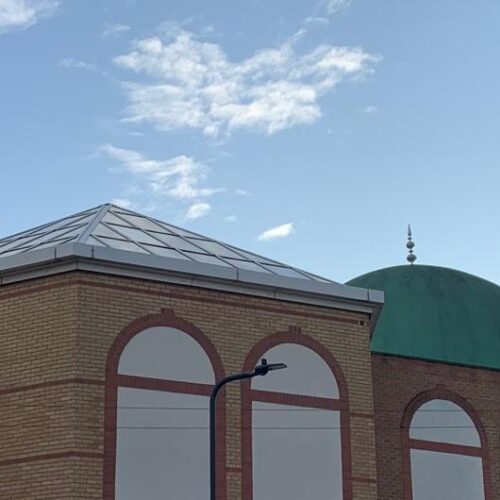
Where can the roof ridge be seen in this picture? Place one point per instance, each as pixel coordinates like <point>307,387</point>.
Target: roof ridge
<point>101,212</point>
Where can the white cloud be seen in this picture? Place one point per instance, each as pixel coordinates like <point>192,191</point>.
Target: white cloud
<point>114,30</point>
<point>70,62</point>
<point>334,6</point>
<point>242,192</point>
<point>371,109</point>
<point>122,202</point>
<point>24,13</point>
<point>198,210</point>
<point>231,218</point>
<point>187,83</point>
<point>277,232</point>
<point>317,20</point>
<point>179,177</point>
<point>325,9</point>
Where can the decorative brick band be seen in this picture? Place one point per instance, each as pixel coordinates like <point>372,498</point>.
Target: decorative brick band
<point>51,456</point>
<point>50,383</point>
<point>366,480</point>
<point>369,416</point>
<point>38,289</point>
<point>182,296</point>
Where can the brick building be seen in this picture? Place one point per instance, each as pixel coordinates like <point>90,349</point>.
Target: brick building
<point>114,327</point>
<point>435,361</point>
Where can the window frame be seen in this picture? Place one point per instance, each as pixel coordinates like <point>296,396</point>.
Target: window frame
<point>409,443</point>
<point>114,380</point>
<point>248,395</point>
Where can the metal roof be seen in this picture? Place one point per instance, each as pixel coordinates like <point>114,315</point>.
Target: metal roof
<point>112,234</point>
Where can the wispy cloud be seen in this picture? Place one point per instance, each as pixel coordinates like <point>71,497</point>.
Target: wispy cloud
<point>112,30</point>
<point>198,210</point>
<point>122,202</point>
<point>188,83</point>
<point>20,14</point>
<point>325,9</point>
<point>334,6</point>
<point>372,109</point>
<point>277,232</point>
<point>180,178</point>
<point>71,62</point>
<point>231,218</point>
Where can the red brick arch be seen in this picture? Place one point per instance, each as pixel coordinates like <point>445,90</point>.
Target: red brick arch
<point>294,335</point>
<point>166,318</point>
<point>442,392</point>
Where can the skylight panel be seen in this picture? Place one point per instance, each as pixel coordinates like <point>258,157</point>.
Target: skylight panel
<point>285,271</point>
<point>58,233</point>
<point>18,242</point>
<point>105,231</point>
<point>253,256</point>
<point>182,232</point>
<point>134,234</point>
<point>142,222</point>
<point>61,224</point>
<point>247,265</point>
<point>81,218</point>
<point>111,218</point>
<point>177,242</point>
<point>207,259</point>
<point>123,245</point>
<point>13,251</point>
<point>51,243</point>
<point>165,252</point>
<point>216,248</point>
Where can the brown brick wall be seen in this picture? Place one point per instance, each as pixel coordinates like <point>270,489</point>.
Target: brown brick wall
<point>397,381</point>
<point>55,335</point>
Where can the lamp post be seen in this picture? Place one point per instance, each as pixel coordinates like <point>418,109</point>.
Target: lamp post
<point>260,370</point>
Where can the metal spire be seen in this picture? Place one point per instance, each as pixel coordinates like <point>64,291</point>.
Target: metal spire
<point>411,257</point>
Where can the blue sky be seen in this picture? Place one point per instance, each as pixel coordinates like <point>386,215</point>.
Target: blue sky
<point>312,132</point>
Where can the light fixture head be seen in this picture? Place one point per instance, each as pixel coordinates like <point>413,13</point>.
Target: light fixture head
<point>264,367</point>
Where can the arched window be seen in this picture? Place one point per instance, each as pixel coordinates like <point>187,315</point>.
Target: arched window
<point>157,443</point>
<point>295,425</point>
<point>444,454</point>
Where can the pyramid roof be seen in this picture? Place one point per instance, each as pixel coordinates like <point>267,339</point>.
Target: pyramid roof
<point>116,235</point>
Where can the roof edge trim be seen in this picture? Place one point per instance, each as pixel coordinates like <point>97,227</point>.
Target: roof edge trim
<point>111,261</point>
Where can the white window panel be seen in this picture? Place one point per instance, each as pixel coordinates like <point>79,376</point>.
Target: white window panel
<point>443,421</point>
<point>446,476</point>
<point>296,453</point>
<point>307,373</point>
<point>162,446</point>
<point>166,353</point>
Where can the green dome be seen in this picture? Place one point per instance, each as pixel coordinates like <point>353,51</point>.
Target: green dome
<point>437,314</point>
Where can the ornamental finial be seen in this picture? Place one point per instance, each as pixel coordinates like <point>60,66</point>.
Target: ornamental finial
<point>411,257</point>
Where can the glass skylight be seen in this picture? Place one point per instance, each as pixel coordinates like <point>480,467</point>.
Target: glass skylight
<point>121,229</point>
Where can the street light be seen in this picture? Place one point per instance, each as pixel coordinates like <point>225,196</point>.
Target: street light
<point>260,370</point>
